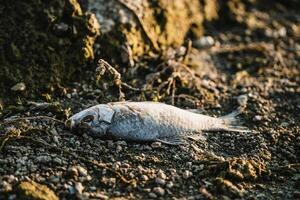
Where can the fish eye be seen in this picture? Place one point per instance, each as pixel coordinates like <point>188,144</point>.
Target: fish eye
<point>88,118</point>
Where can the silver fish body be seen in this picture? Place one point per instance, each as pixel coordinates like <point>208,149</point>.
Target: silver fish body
<point>150,121</point>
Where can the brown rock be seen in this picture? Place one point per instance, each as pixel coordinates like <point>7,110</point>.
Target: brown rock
<point>30,190</point>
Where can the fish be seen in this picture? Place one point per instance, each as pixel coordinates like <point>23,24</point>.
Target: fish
<point>150,121</point>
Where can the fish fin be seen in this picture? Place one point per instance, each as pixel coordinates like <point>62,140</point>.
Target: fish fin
<point>197,111</point>
<point>197,137</point>
<point>230,122</point>
<point>174,140</point>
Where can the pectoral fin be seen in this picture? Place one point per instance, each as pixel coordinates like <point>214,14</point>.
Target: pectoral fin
<point>172,140</point>
<point>197,137</point>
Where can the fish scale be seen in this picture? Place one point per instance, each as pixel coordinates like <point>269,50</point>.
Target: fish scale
<point>150,121</point>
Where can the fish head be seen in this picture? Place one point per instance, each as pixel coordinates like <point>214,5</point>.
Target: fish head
<point>96,119</point>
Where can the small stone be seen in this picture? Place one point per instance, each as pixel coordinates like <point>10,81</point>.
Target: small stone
<point>82,171</point>
<point>55,139</point>
<point>6,187</point>
<point>110,144</point>
<point>69,96</point>
<point>161,174</point>
<point>43,159</point>
<point>93,188</point>
<point>119,148</point>
<point>70,189</point>
<point>156,145</point>
<point>78,188</point>
<point>73,172</point>
<point>160,181</point>
<point>242,100</point>
<point>144,178</point>
<point>61,27</point>
<point>19,87</point>
<point>101,196</point>
<point>187,174</point>
<point>122,143</point>
<point>55,179</point>
<point>284,124</point>
<point>159,191</point>
<point>257,118</point>
<point>57,161</point>
<point>170,185</point>
<point>204,42</point>
<point>152,195</point>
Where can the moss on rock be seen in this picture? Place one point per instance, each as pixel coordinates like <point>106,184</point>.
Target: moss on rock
<point>34,191</point>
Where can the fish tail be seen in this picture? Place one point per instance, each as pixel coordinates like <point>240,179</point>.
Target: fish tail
<point>230,122</point>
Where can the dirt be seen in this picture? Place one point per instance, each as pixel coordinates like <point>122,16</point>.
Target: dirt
<point>253,63</point>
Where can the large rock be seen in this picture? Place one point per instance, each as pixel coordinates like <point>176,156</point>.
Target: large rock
<point>134,28</point>
<point>33,191</point>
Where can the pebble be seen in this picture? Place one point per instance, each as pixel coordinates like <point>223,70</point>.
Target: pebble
<point>82,171</point>
<point>71,189</point>
<point>160,181</point>
<point>43,159</point>
<point>18,87</point>
<point>156,145</point>
<point>242,100</point>
<point>161,174</point>
<point>6,187</point>
<point>170,184</point>
<point>187,174</point>
<point>101,196</point>
<point>257,118</point>
<point>204,42</point>
<point>78,187</point>
<point>119,148</point>
<point>159,191</point>
<point>152,195</point>
<point>144,178</point>
<point>57,161</point>
<point>73,172</point>
<point>61,27</point>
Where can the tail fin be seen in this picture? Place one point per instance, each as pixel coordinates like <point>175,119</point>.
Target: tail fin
<point>231,123</point>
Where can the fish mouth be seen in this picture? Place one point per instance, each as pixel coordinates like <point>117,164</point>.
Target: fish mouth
<point>75,127</point>
<point>70,124</point>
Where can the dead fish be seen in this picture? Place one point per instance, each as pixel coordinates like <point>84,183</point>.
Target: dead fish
<point>150,121</point>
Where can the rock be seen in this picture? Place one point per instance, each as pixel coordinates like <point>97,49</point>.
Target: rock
<point>73,172</point>
<point>257,118</point>
<point>18,87</point>
<point>170,184</point>
<point>101,196</point>
<point>156,145</point>
<point>161,174</point>
<point>242,100</point>
<point>117,21</point>
<point>144,178</point>
<point>70,189</point>
<point>78,188</point>
<point>159,191</point>
<point>34,191</point>
<point>82,171</point>
<point>119,148</point>
<point>160,181</point>
<point>43,159</point>
<point>5,187</point>
<point>187,174</point>
<point>204,42</point>
<point>152,195</point>
<point>57,161</point>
